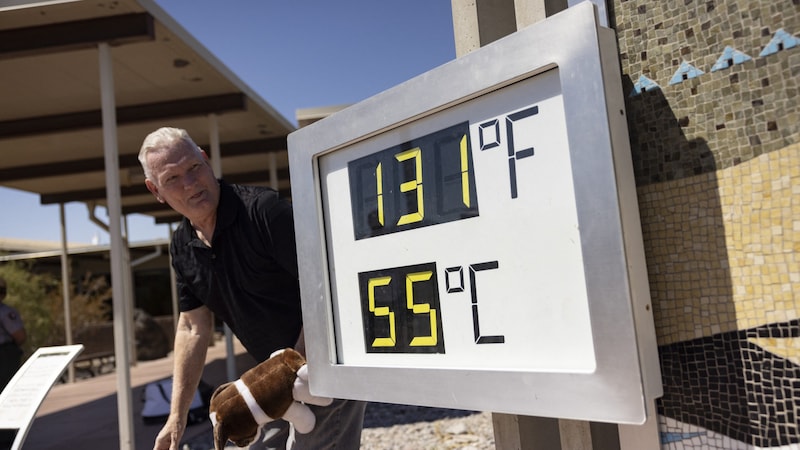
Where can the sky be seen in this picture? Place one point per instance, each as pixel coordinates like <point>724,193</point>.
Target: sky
<point>295,54</point>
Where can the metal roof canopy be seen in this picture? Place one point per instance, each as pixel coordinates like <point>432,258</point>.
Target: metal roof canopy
<point>83,84</point>
<point>50,122</point>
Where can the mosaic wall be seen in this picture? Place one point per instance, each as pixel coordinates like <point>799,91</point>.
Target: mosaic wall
<point>714,118</point>
<point>723,256</point>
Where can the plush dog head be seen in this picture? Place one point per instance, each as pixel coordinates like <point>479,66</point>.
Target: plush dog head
<point>261,395</point>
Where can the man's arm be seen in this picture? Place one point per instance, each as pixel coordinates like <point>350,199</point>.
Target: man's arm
<point>19,336</point>
<point>192,337</point>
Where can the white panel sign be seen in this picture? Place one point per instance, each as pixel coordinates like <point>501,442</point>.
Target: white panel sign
<point>26,391</point>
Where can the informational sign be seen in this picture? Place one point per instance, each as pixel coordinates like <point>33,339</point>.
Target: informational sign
<point>26,391</point>
<point>470,238</point>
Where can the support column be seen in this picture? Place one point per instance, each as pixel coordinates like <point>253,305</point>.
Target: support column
<point>173,283</point>
<point>129,292</point>
<point>480,22</point>
<point>216,166</point>
<point>66,284</point>
<point>114,204</point>
<point>273,170</point>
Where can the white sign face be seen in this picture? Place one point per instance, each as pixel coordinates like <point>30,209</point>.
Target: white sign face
<point>26,391</point>
<point>470,239</point>
<point>477,251</point>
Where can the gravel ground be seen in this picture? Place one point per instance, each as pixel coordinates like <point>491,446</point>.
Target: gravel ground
<point>403,427</point>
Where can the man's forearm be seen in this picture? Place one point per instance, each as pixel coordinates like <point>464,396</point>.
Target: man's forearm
<point>191,346</point>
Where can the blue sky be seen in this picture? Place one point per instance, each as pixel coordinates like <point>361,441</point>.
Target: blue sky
<point>295,54</point>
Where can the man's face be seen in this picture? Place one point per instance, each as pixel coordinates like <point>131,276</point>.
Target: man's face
<point>183,179</point>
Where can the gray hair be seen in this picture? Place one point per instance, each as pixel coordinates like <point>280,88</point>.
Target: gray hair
<point>163,138</point>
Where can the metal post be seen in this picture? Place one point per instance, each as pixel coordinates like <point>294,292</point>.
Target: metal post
<point>273,170</point>
<point>129,294</point>
<point>65,288</point>
<point>173,283</point>
<point>114,204</point>
<point>216,166</point>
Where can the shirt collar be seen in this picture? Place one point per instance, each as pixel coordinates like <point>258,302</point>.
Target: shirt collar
<point>228,207</point>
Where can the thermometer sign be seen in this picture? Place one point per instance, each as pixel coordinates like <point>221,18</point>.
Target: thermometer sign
<point>460,236</point>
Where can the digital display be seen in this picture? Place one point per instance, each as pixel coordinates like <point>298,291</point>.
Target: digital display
<point>422,182</point>
<point>402,313</point>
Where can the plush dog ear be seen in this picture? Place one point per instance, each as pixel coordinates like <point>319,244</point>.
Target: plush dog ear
<point>292,358</point>
<point>220,438</point>
<point>219,389</point>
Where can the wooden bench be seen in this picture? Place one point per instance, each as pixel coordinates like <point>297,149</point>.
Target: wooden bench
<point>97,357</point>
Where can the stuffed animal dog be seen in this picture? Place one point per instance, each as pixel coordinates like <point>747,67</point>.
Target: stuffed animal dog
<point>271,390</point>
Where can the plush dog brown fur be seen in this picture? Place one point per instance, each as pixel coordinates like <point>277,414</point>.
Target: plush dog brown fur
<point>270,383</point>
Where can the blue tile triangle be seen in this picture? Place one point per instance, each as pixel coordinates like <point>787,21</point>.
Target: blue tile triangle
<point>781,40</point>
<point>643,84</point>
<point>685,72</point>
<point>730,57</point>
<point>670,437</point>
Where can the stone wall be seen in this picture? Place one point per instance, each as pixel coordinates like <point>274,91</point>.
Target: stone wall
<point>714,117</point>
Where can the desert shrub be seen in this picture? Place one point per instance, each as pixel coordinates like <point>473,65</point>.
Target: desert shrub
<point>38,298</point>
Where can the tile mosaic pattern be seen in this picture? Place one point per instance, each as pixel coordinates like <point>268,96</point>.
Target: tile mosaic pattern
<point>723,248</point>
<point>723,256</point>
<point>717,163</point>
<point>737,113</point>
<point>728,385</point>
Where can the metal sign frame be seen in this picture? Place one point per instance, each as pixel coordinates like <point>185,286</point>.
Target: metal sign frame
<point>626,375</point>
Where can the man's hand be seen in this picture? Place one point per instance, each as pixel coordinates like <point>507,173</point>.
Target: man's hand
<point>169,437</point>
<point>298,413</point>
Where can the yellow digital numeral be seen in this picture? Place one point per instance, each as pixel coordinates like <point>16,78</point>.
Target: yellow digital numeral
<point>379,179</point>
<point>464,172</point>
<point>420,308</point>
<point>382,311</point>
<point>415,184</point>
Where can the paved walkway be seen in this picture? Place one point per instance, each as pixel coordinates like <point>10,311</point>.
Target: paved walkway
<point>83,415</point>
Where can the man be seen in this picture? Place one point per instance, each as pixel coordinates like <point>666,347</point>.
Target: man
<point>234,255</point>
<point>12,335</point>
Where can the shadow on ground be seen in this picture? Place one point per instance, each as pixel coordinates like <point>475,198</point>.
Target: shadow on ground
<point>381,415</point>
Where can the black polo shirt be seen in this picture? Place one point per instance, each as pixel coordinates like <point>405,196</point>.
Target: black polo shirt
<point>248,277</point>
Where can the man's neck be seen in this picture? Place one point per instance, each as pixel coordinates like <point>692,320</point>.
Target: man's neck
<point>205,229</point>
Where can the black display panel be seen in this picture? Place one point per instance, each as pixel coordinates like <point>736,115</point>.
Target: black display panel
<point>426,181</point>
<point>400,310</point>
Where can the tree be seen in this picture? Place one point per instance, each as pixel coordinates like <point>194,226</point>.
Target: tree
<point>39,300</point>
